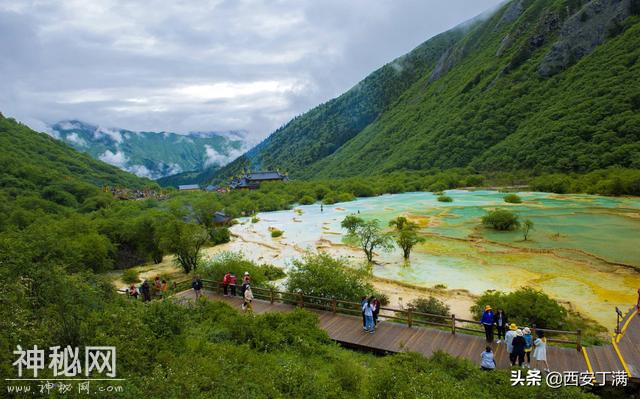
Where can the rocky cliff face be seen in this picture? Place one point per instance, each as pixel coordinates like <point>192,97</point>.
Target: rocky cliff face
<point>582,32</point>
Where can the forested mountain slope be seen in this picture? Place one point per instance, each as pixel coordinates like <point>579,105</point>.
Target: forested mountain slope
<point>46,176</point>
<point>542,85</point>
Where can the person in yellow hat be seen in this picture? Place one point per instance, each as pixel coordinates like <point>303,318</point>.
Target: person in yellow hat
<point>487,323</point>
<point>509,336</point>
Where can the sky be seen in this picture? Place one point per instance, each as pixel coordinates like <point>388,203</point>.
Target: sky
<point>202,65</point>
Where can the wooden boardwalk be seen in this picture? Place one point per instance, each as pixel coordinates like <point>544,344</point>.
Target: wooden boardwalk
<point>622,354</point>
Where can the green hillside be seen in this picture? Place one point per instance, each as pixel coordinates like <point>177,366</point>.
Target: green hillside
<point>45,176</point>
<point>541,86</point>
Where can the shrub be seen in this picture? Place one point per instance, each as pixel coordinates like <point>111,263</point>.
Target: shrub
<point>130,276</point>
<point>216,267</point>
<point>219,235</point>
<point>272,272</point>
<point>512,199</point>
<point>307,200</point>
<point>430,305</point>
<point>323,276</point>
<point>501,219</point>
<point>525,306</point>
<point>445,198</point>
<point>276,233</point>
<point>255,219</point>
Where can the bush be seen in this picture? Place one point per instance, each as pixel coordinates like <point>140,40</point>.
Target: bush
<point>272,272</point>
<point>255,219</point>
<point>130,276</point>
<point>219,235</point>
<point>323,276</point>
<point>445,198</point>
<point>430,305</point>
<point>276,233</point>
<point>307,200</point>
<point>501,219</point>
<point>525,306</point>
<point>216,267</point>
<point>512,199</point>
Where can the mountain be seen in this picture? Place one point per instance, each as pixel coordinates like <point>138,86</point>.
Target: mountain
<point>152,154</point>
<point>539,85</point>
<point>32,160</point>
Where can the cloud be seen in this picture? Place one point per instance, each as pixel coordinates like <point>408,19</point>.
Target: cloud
<point>197,65</point>
<point>74,138</point>
<point>212,157</point>
<point>117,158</point>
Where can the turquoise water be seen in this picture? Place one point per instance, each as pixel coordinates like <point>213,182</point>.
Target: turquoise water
<point>573,253</point>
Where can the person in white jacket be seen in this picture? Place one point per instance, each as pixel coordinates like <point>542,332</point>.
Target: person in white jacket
<point>248,297</point>
<point>508,337</point>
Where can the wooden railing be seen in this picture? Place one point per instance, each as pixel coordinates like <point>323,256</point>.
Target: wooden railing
<point>410,317</point>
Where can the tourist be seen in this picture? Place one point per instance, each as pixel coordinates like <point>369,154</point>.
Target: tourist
<point>508,337</point>
<point>246,279</point>
<point>367,309</point>
<point>133,291</point>
<point>501,321</point>
<point>487,322</point>
<point>164,288</point>
<point>196,284</point>
<point>225,283</point>
<point>529,347</point>
<point>146,291</point>
<point>540,351</point>
<point>363,301</point>
<point>518,345</point>
<point>487,361</point>
<point>376,310</point>
<point>232,283</point>
<point>157,284</point>
<point>248,297</point>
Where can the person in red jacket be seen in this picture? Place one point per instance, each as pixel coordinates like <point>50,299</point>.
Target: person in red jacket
<point>225,283</point>
<point>233,280</point>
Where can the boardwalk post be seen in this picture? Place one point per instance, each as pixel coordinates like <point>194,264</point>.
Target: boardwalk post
<point>219,286</point>
<point>333,305</point>
<point>271,295</point>
<point>409,317</point>
<point>579,341</point>
<point>300,300</point>
<point>453,324</point>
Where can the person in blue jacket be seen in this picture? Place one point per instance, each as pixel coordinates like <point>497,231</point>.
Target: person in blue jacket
<point>487,323</point>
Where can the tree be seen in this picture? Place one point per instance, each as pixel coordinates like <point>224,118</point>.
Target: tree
<point>406,234</point>
<point>367,233</point>
<point>501,219</point>
<point>527,226</point>
<point>185,240</point>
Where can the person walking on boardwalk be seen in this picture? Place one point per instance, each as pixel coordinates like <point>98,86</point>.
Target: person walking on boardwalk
<point>164,288</point>
<point>246,280</point>
<point>487,323</point>
<point>508,337</point>
<point>367,309</point>
<point>146,291</point>
<point>518,345</point>
<point>487,361</point>
<point>133,291</point>
<point>363,301</point>
<point>196,284</point>
<point>501,321</point>
<point>540,351</point>
<point>225,283</point>
<point>248,298</point>
<point>376,310</point>
<point>528,339</point>
<point>233,280</point>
